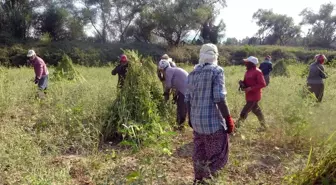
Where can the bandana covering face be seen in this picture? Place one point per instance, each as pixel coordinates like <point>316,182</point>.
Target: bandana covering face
<point>208,54</point>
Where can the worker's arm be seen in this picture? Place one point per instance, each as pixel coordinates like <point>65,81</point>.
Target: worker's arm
<point>116,70</point>
<point>38,67</point>
<point>219,94</point>
<point>322,72</point>
<point>187,101</point>
<point>168,84</point>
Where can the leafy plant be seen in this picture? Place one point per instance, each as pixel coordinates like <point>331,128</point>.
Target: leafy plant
<point>138,112</point>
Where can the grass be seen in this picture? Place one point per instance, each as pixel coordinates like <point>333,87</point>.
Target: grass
<point>56,141</point>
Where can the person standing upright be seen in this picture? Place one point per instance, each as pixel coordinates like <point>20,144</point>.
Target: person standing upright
<point>266,68</point>
<point>121,70</point>
<point>315,77</point>
<point>209,114</point>
<point>253,83</point>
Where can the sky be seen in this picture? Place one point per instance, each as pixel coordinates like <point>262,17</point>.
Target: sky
<point>238,13</point>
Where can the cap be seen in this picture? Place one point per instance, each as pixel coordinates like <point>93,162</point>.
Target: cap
<point>31,53</point>
<point>252,59</point>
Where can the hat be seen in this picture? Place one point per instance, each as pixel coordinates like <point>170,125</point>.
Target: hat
<point>252,59</point>
<point>268,57</point>
<point>31,53</point>
<point>163,64</point>
<point>165,56</point>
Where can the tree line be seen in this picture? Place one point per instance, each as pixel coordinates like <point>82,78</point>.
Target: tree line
<point>153,21</point>
<point>279,29</point>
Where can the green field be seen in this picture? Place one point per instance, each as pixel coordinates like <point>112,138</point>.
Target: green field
<point>56,141</point>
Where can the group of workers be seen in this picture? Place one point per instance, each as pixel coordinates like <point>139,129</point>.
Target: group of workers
<point>202,96</point>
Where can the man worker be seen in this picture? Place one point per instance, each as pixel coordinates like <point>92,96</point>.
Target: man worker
<point>266,68</point>
<point>41,71</point>
<point>175,78</point>
<point>253,83</point>
<point>121,70</point>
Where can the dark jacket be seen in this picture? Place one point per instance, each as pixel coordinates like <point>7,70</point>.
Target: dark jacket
<point>121,70</point>
<point>266,67</point>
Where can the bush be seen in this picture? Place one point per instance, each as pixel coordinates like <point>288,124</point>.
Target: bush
<point>280,69</point>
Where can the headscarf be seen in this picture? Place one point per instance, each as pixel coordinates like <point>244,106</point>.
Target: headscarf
<point>320,58</point>
<point>208,54</point>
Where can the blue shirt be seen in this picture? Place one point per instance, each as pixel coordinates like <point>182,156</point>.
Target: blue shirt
<point>206,87</point>
<point>266,67</point>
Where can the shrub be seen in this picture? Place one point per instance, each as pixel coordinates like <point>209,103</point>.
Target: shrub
<point>280,69</point>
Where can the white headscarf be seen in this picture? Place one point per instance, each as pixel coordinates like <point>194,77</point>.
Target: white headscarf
<point>208,54</point>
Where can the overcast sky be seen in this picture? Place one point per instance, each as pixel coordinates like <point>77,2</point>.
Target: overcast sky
<point>238,13</point>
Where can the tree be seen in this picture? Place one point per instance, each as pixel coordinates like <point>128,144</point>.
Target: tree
<point>16,17</point>
<point>54,21</point>
<point>275,28</point>
<point>175,19</point>
<point>212,33</point>
<point>323,25</point>
<point>231,41</point>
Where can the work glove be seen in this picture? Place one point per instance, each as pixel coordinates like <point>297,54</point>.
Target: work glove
<point>230,124</point>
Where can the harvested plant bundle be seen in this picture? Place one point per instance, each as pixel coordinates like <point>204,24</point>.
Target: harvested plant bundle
<point>139,109</point>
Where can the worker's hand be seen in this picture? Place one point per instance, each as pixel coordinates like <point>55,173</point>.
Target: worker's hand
<point>36,80</point>
<point>230,124</point>
<point>248,89</point>
<point>166,96</point>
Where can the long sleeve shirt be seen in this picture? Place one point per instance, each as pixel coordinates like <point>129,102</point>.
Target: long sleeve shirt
<point>254,78</point>
<point>176,78</point>
<point>40,67</point>
<point>266,67</point>
<point>316,74</point>
<point>206,88</point>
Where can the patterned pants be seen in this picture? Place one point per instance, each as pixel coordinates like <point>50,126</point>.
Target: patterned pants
<point>210,153</point>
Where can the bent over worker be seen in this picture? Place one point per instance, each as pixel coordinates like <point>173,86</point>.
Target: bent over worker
<point>41,70</point>
<point>175,78</point>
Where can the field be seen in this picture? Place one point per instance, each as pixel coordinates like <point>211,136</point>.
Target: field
<point>56,140</point>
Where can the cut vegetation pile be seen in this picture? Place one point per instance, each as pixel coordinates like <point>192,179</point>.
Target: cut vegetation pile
<point>280,69</point>
<point>139,113</point>
<point>66,70</point>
